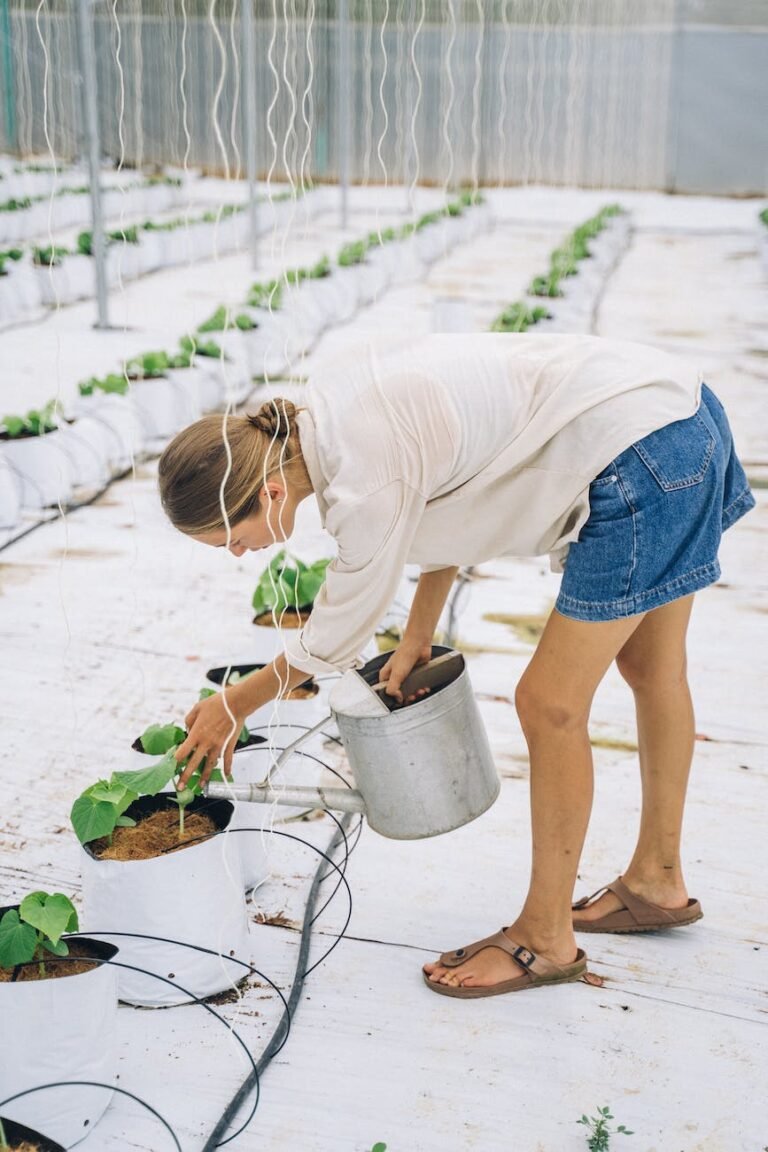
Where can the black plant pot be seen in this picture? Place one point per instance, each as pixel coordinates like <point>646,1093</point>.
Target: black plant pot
<point>16,1134</point>
<point>216,675</point>
<point>251,742</point>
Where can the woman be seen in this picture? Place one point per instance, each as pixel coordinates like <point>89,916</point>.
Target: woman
<point>611,457</point>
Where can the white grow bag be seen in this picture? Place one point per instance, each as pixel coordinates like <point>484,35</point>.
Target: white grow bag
<point>122,427</point>
<point>271,347</point>
<point>19,292</point>
<point>10,495</point>
<point>165,406</point>
<point>88,449</point>
<point>60,1029</point>
<point>43,467</point>
<point>193,895</point>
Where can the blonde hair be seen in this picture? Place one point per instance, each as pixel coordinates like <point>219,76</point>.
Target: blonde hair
<point>193,465</point>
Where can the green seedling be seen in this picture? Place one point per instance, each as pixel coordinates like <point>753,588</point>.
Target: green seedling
<point>223,318</point>
<point>50,256</point>
<point>764,216</point>
<point>9,254</point>
<point>268,295</point>
<point>599,1138</point>
<point>16,204</point>
<point>545,285</point>
<point>85,243</point>
<point>100,809</point>
<point>427,219</point>
<point>320,270</point>
<point>352,254</point>
<point>125,235</point>
<point>35,928</point>
<point>518,317</point>
<point>37,422</point>
<point>379,1147</point>
<point>150,366</point>
<point>385,236</point>
<point>111,385</point>
<point>288,584</point>
<point>195,347</point>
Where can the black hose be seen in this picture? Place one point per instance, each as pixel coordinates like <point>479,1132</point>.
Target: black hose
<point>276,1039</point>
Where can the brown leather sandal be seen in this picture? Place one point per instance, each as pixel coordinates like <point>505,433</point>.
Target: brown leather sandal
<point>537,969</point>
<point>637,915</point>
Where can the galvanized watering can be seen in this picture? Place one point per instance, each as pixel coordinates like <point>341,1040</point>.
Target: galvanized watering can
<point>421,768</point>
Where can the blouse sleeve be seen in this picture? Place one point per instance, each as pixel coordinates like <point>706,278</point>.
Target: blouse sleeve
<point>374,536</point>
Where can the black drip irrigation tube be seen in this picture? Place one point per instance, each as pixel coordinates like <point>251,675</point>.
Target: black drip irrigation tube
<point>277,1040</point>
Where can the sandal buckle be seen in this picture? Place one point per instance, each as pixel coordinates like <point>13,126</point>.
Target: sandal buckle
<point>523,956</point>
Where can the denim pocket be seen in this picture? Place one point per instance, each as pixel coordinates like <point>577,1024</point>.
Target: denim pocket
<point>678,455</point>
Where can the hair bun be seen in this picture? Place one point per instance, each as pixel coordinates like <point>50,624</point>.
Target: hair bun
<point>275,418</point>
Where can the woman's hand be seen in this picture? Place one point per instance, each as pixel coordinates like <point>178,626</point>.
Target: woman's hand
<point>401,663</point>
<point>210,732</point>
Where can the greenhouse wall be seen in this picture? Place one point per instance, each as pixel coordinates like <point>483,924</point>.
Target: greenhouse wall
<point>659,95</point>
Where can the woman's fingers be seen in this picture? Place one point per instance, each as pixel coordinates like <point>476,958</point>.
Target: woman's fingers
<point>191,716</point>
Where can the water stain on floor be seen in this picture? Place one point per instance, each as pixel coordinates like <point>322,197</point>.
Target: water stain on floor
<point>526,628</point>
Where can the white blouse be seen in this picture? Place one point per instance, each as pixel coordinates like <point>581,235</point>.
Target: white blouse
<point>455,449</point>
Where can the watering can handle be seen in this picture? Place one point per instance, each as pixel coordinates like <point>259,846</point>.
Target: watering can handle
<point>431,675</point>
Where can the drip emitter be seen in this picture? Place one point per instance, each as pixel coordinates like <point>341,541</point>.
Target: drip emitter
<point>421,768</point>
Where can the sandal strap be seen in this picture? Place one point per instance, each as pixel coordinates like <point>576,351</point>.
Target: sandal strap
<point>641,911</point>
<point>530,962</point>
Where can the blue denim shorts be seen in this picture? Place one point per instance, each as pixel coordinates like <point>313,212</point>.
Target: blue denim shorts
<point>657,513</point>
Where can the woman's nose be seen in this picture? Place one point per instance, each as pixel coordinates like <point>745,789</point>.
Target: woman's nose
<point>237,549</point>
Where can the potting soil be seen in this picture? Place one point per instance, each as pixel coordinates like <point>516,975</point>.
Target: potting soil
<point>155,835</point>
<point>53,969</point>
<point>288,619</point>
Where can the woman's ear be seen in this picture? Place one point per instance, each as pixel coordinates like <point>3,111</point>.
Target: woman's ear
<point>273,492</point>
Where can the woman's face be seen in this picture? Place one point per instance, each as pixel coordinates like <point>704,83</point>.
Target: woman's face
<point>272,524</point>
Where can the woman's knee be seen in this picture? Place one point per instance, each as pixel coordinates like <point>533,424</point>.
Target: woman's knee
<point>547,707</point>
<point>648,671</point>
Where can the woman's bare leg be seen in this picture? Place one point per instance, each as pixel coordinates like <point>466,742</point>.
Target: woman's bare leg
<point>553,702</point>
<point>653,663</point>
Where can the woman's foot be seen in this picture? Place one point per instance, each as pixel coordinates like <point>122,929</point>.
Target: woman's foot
<point>492,965</point>
<point>669,894</point>
<point>619,908</point>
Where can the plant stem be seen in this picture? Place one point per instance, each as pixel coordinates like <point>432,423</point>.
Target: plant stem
<point>3,1141</point>
<point>40,963</point>
<point>181,821</point>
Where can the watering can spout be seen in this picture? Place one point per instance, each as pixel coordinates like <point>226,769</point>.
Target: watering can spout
<point>337,799</point>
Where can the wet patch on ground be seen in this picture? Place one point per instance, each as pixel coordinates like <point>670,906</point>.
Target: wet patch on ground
<point>526,628</point>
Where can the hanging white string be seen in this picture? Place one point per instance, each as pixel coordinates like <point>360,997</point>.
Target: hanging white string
<point>307,103</point>
<point>416,105</point>
<point>385,114</point>
<point>451,99</point>
<point>367,91</point>
<point>476,91</point>
<point>233,133</point>
<point>502,127</point>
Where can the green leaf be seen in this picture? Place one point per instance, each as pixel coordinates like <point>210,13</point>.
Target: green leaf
<point>61,948</point>
<point>51,914</point>
<point>160,738</point>
<point>18,941</point>
<point>92,819</point>
<point>125,822</point>
<point>151,780</point>
<point>206,692</point>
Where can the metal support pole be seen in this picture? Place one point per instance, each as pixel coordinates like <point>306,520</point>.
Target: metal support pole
<point>344,101</point>
<point>249,125</point>
<point>91,119</point>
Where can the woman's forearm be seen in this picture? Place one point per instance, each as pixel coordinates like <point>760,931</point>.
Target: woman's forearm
<point>260,687</point>
<point>428,603</point>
